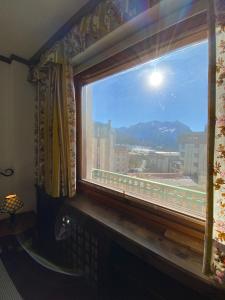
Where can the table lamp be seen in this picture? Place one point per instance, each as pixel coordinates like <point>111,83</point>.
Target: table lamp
<point>12,204</point>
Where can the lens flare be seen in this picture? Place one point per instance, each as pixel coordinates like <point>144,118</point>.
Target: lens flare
<point>156,79</point>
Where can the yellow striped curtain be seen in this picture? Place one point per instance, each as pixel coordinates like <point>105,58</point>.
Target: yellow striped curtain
<point>55,126</point>
<point>55,111</point>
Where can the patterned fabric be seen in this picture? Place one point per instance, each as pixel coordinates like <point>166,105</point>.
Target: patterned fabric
<point>55,105</point>
<point>55,127</point>
<point>218,253</point>
<point>107,16</point>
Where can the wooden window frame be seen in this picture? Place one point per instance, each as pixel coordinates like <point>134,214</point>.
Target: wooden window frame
<point>155,216</point>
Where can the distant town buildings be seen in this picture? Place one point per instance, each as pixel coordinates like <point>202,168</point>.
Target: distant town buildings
<point>189,163</point>
<point>124,159</point>
<point>103,146</point>
<point>121,159</point>
<point>193,156</point>
<point>154,161</point>
<point>164,162</point>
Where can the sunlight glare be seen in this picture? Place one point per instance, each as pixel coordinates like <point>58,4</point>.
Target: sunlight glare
<point>155,79</point>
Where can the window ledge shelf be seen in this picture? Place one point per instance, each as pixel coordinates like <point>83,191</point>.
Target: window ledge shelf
<point>169,257</point>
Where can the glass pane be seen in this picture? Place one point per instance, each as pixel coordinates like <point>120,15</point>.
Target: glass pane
<point>145,130</point>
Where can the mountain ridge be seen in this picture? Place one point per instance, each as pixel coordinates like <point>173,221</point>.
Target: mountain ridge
<point>161,135</point>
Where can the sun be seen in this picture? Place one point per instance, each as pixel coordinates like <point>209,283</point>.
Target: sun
<point>155,79</point>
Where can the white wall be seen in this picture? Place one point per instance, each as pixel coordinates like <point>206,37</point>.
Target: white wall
<point>17,133</point>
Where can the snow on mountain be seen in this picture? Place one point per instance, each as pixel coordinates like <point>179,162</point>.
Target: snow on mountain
<point>155,134</point>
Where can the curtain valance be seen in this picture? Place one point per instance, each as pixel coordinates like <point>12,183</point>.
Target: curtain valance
<point>107,16</point>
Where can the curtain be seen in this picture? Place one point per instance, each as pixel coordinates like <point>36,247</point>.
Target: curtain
<point>55,105</point>
<point>55,127</point>
<point>215,230</point>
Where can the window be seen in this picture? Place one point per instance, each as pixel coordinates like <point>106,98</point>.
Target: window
<point>145,130</point>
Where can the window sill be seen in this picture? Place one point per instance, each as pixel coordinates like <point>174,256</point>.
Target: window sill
<point>174,225</point>
<point>178,261</point>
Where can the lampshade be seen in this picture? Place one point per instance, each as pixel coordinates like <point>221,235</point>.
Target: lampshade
<point>12,204</point>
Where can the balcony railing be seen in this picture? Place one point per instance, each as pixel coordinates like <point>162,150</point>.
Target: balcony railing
<point>184,200</point>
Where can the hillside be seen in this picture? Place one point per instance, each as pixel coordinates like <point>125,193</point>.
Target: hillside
<point>156,134</point>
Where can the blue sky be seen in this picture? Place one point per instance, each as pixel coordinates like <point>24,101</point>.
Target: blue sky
<point>127,98</point>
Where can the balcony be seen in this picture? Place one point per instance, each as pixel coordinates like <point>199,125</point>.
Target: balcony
<point>184,200</point>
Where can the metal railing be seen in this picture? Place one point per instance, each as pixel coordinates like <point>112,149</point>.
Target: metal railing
<point>185,200</point>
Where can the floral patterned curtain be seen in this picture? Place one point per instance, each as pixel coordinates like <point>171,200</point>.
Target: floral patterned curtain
<point>55,105</point>
<point>55,126</point>
<point>217,259</point>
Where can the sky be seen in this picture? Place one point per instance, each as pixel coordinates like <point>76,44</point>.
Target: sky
<point>131,97</point>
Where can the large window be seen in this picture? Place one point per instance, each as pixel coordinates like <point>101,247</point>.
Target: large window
<point>145,130</point>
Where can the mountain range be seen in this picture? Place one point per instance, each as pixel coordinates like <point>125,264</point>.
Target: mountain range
<point>155,134</point>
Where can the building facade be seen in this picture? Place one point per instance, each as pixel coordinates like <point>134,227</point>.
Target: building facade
<point>103,146</point>
<point>193,155</point>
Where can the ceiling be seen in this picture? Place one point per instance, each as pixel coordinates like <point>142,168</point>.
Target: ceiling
<point>27,24</point>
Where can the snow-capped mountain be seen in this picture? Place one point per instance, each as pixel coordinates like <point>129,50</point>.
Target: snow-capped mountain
<point>156,134</point>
